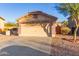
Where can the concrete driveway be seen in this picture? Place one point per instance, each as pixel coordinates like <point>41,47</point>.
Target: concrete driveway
<point>24,46</point>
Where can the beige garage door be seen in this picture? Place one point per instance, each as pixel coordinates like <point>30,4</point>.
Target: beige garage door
<point>32,31</point>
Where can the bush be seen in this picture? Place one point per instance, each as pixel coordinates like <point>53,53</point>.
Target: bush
<point>65,30</point>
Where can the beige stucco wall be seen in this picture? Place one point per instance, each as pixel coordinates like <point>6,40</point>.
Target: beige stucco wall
<point>33,31</point>
<point>54,30</point>
<point>2,22</point>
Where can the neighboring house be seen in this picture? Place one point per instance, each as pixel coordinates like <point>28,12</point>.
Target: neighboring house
<point>2,22</point>
<point>38,24</point>
<point>71,25</point>
<point>11,28</point>
<point>14,31</point>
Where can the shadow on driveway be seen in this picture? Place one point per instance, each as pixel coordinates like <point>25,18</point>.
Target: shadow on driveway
<point>21,51</point>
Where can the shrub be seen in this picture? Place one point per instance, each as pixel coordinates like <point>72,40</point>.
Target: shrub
<point>65,30</point>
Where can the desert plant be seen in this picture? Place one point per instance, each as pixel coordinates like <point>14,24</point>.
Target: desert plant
<point>65,23</point>
<point>72,10</point>
<point>65,30</point>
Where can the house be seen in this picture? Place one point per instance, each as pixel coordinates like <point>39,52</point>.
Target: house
<point>2,22</point>
<point>71,25</point>
<point>11,28</point>
<point>38,24</point>
<point>12,31</point>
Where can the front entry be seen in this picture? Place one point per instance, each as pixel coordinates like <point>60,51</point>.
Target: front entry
<point>58,29</point>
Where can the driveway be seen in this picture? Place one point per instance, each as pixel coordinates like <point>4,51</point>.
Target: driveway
<point>17,50</point>
<point>23,46</point>
<point>37,46</point>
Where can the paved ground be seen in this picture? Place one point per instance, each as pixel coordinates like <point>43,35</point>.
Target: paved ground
<point>33,46</point>
<point>37,46</point>
<point>16,50</point>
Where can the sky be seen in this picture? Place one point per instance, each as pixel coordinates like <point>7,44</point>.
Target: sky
<point>12,11</point>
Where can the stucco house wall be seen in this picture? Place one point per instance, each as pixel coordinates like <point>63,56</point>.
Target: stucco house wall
<point>2,22</point>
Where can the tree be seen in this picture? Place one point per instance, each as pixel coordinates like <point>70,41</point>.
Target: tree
<point>65,23</point>
<point>10,25</point>
<point>71,10</point>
